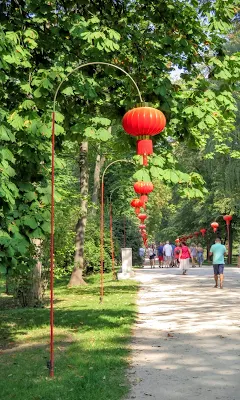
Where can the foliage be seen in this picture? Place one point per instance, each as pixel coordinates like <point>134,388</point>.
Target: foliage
<point>42,42</point>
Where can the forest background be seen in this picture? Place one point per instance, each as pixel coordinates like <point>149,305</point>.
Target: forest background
<point>185,58</point>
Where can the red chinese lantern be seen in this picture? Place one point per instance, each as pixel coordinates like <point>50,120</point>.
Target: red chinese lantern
<point>214,225</point>
<point>142,226</point>
<point>227,219</point>
<point>136,203</point>
<point>143,187</point>
<point>203,231</point>
<point>144,122</point>
<point>142,217</point>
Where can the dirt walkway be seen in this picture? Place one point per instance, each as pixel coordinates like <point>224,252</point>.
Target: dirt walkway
<point>186,342</point>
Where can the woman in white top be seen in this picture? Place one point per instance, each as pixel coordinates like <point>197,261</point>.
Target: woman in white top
<point>151,256</point>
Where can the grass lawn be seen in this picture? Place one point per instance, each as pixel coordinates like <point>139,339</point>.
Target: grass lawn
<point>91,344</point>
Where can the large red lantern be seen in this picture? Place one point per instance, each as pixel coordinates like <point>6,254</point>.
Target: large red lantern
<point>143,187</point>
<point>142,217</point>
<point>214,225</point>
<point>136,203</point>
<point>203,231</point>
<point>227,219</point>
<point>143,122</point>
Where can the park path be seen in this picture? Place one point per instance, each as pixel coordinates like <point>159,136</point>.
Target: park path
<point>186,341</point>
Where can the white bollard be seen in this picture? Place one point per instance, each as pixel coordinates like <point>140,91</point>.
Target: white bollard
<point>127,271</point>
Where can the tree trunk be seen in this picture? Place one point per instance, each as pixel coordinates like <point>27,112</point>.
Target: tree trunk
<point>96,180</point>
<point>76,277</point>
<point>37,287</point>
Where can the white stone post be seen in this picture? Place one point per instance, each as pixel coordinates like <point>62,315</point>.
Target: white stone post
<point>127,271</point>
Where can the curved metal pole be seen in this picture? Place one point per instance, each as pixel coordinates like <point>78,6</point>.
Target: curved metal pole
<point>95,63</point>
<point>102,225</point>
<point>51,362</point>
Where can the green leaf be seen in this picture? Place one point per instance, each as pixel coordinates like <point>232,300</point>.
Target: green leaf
<point>7,154</point>
<point>210,120</point>
<point>156,172</point>
<point>101,121</point>
<point>46,227</point>
<point>3,269</point>
<point>59,117</point>
<point>37,93</point>
<point>30,221</point>
<point>27,105</point>
<point>142,175</point>
<point>47,84</point>
<point>16,121</point>
<point>30,196</point>
<point>202,125</point>
<point>37,234</point>
<point>68,91</point>
<point>103,134</point>
<point>6,134</point>
<point>8,170</point>
<point>157,160</point>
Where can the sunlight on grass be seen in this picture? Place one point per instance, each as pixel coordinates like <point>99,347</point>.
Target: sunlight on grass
<point>91,344</point>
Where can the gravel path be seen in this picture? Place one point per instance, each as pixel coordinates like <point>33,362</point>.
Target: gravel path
<point>186,342</point>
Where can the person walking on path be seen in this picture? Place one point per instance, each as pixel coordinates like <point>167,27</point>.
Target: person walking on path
<point>184,256</point>
<point>151,256</point>
<point>218,250</point>
<point>176,256</point>
<point>193,250</point>
<point>141,253</point>
<point>168,253</point>
<point>160,254</point>
<point>200,258</point>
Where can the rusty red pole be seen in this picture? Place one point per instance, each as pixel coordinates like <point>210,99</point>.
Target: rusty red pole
<point>102,241</point>
<point>112,244</point>
<point>51,363</point>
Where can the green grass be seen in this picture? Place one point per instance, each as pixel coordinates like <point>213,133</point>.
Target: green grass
<point>91,344</point>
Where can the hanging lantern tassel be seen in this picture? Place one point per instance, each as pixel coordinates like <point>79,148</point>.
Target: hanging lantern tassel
<point>144,148</point>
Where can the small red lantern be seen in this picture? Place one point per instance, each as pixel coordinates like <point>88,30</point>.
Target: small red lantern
<point>214,225</point>
<point>227,219</point>
<point>143,122</point>
<point>196,233</point>
<point>203,231</point>
<point>142,226</point>
<point>136,203</point>
<point>142,217</point>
